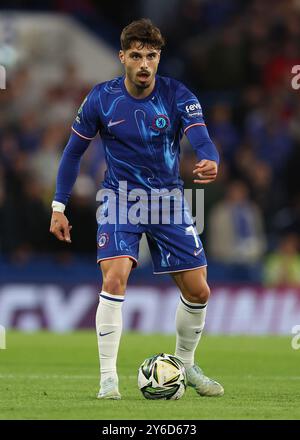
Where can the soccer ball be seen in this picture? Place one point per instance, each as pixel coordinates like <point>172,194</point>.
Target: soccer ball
<point>163,377</point>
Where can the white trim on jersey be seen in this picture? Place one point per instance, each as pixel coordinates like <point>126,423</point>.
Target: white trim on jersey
<point>81,135</point>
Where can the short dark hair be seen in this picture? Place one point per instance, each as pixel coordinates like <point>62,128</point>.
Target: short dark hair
<point>143,31</point>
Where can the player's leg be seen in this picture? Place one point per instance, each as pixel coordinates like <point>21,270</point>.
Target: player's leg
<point>190,321</point>
<point>191,312</point>
<point>176,249</point>
<point>115,273</point>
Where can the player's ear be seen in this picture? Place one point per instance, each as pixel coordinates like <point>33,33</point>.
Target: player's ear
<point>121,56</point>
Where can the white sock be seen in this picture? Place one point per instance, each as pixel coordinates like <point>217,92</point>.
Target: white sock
<point>109,329</point>
<point>190,320</point>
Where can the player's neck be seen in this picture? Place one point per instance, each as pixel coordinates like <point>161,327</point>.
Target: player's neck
<point>138,92</point>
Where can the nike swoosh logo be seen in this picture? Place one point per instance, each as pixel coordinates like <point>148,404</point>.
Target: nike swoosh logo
<point>112,123</point>
<point>197,252</point>
<point>198,332</point>
<point>104,334</point>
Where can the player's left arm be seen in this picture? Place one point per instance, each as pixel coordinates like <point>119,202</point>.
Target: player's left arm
<point>194,127</point>
<point>206,169</point>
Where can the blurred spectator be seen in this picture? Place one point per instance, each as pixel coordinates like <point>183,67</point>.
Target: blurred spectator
<point>25,221</point>
<point>218,63</point>
<point>235,226</point>
<point>223,131</point>
<point>29,130</point>
<point>44,163</point>
<point>282,267</point>
<point>269,135</point>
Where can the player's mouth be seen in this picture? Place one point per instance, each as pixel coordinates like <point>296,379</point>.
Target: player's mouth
<point>143,76</point>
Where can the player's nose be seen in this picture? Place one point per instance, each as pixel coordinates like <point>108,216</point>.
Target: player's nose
<point>144,63</point>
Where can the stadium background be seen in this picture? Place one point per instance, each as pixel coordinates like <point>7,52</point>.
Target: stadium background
<point>237,57</point>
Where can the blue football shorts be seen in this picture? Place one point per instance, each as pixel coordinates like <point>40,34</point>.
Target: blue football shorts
<point>174,246</point>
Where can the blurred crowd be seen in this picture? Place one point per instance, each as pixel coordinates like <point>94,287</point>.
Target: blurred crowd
<point>237,58</point>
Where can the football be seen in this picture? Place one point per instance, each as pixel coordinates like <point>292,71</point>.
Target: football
<point>162,377</point>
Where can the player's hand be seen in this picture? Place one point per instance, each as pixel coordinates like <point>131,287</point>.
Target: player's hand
<point>206,171</point>
<point>60,227</point>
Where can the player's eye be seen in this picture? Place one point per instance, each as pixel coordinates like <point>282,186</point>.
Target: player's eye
<point>135,56</point>
<point>152,56</point>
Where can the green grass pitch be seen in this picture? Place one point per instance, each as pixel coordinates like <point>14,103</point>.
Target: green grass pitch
<point>55,376</point>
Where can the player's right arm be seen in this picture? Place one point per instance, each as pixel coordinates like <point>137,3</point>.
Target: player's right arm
<point>85,127</point>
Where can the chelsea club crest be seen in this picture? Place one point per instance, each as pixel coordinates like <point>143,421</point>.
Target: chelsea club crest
<point>161,122</point>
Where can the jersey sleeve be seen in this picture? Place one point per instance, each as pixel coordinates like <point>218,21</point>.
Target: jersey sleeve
<point>69,167</point>
<point>193,125</point>
<point>189,108</point>
<point>87,121</point>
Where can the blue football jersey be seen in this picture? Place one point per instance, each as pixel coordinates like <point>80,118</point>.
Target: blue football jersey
<point>141,137</point>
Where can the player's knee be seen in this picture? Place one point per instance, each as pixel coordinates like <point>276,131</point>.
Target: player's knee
<point>200,294</point>
<point>204,293</point>
<point>114,284</point>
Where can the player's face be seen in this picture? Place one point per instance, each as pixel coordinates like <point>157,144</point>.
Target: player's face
<point>140,64</point>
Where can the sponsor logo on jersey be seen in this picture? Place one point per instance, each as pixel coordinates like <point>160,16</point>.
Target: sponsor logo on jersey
<point>161,122</point>
<point>194,110</point>
<point>103,240</point>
